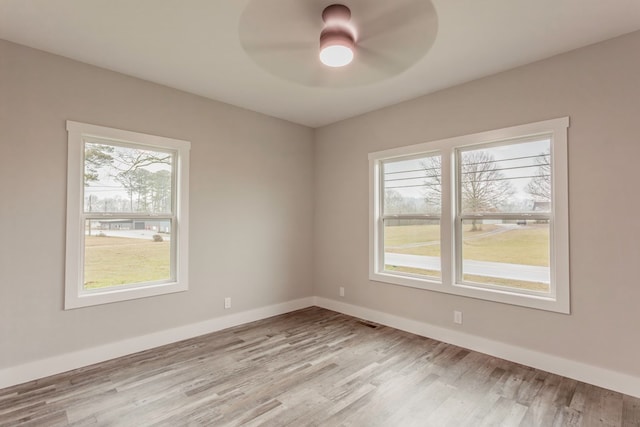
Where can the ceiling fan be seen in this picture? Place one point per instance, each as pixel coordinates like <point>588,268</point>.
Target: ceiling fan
<point>337,39</point>
<point>319,43</point>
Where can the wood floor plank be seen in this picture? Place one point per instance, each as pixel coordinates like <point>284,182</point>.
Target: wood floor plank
<point>630,412</point>
<point>312,367</point>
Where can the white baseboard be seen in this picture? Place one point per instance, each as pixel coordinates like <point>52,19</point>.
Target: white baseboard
<point>598,376</point>
<point>590,374</point>
<point>77,359</point>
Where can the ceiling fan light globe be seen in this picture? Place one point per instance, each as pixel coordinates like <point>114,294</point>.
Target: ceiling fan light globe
<point>336,55</point>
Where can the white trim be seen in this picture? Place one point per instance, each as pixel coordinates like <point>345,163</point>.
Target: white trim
<point>75,295</point>
<point>601,377</point>
<point>558,300</point>
<point>125,136</point>
<point>65,362</point>
<point>595,375</point>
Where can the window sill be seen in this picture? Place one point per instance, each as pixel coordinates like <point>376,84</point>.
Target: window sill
<point>98,297</point>
<point>558,304</point>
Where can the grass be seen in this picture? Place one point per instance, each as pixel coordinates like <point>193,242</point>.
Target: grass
<point>511,283</point>
<point>496,281</point>
<point>419,271</point>
<point>528,245</point>
<point>410,234</point>
<point>524,245</point>
<point>115,261</point>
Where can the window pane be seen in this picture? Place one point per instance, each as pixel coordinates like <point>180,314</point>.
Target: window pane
<point>124,251</point>
<point>513,254</point>
<point>412,186</point>
<point>130,180</point>
<point>412,246</point>
<point>506,178</point>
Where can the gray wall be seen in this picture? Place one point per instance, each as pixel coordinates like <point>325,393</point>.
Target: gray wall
<point>251,204</point>
<point>599,88</point>
<point>254,196</point>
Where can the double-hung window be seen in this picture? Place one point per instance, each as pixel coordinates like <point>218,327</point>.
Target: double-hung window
<point>482,215</point>
<point>410,217</point>
<point>127,215</point>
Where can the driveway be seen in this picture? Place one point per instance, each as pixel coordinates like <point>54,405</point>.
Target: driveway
<point>529,273</point>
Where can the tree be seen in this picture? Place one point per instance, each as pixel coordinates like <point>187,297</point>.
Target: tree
<point>137,183</point>
<point>393,202</point>
<point>161,191</point>
<point>433,181</point>
<point>131,166</point>
<point>540,185</point>
<point>96,156</point>
<point>140,172</point>
<point>484,188</point>
<point>482,184</point>
<point>129,159</point>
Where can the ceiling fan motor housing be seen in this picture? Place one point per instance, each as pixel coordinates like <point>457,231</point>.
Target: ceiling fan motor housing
<point>336,12</point>
<point>337,30</point>
<point>333,36</point>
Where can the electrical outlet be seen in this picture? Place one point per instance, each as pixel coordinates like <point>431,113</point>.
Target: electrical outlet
<point>457,317</point>
<point>227,302</point>
<point>341,291</point>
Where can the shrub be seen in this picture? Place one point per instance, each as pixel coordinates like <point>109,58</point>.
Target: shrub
<point>157,238</point>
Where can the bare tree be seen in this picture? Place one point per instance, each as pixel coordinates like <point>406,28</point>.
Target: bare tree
<point>484,187</point>
<point>129,159</point>
<point>142,173</point>
<point>540,186</point>
<point>433,181</point>
<point>129,167</point>
<point>393,202</point>
<point>482,183</point>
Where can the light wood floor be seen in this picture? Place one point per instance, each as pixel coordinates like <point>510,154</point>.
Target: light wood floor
<point>312,367</point>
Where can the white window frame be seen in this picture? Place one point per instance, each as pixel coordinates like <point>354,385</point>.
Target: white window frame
<point>75,294</point>
<point>558,299</point>
<point>383,217</point>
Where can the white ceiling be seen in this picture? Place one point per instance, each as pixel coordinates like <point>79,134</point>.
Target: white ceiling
<point>195,46</point>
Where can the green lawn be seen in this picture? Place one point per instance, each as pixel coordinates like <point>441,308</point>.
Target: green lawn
<point>511,283</point>
<point>420,271</point>
<point>407,234</point>
<point>526,245</point>
<point>113,261</point>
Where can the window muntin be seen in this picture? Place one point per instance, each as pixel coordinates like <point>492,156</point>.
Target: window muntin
<point>411,216</point>
<point>532,160</point>
<point>127,215</point>
<point>504,204</point>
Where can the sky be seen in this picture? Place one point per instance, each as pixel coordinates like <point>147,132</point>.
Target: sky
<point>409,175</point>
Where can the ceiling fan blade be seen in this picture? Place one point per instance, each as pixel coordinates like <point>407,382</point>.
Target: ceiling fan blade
<point>278,46</point>
<point>318,77</point>
<point>382,62</point>
<point>398,15</point>
<point>283,37</point>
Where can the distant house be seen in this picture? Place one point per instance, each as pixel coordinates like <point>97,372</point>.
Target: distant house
<point>541,206</point>
<point>120,224</point>
<point>160,226</point>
